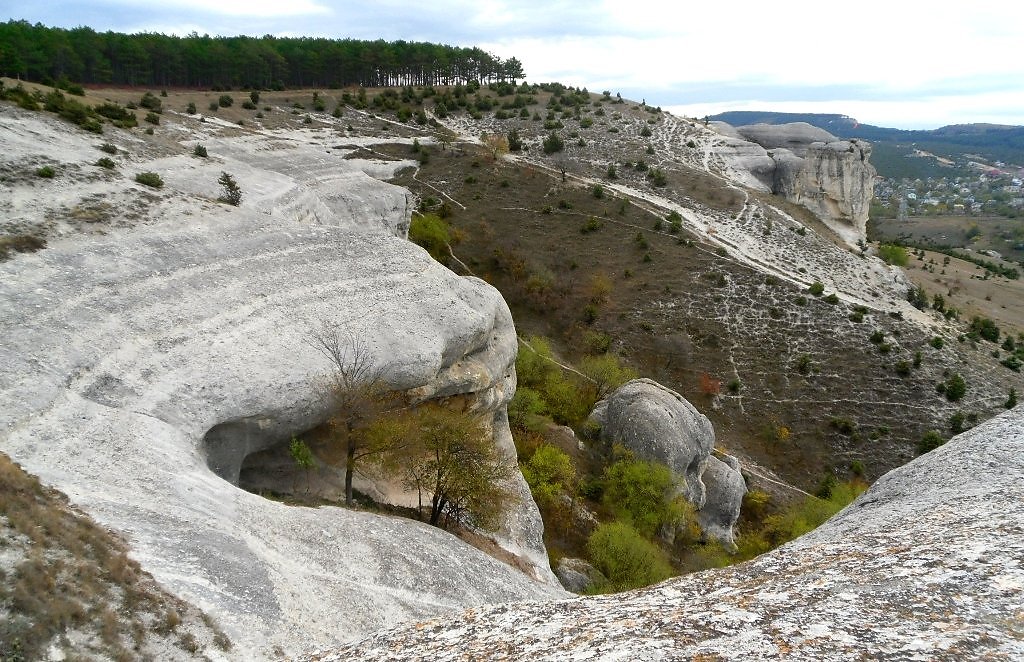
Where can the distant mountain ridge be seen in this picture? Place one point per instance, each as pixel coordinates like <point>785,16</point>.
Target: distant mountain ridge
<point>994,142</point>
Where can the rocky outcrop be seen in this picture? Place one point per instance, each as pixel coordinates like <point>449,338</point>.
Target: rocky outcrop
<point>725,489</point>
<point>924,565</point>
<point>795,136</point>
<point>577,575</point>
<point>658,424</point>
<point>807,165</point>
<point>140,367</point>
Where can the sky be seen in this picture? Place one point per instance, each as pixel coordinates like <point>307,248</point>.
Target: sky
<point>889,63</point>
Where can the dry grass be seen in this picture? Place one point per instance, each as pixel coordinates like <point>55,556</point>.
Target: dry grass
<point>19,243</point>
<point>71,575</point>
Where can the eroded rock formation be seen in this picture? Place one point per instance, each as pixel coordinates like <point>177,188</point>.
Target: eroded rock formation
<point>807,165</point>
<point>658,424</point>
<point>924,565</point>
<point>140,367</point>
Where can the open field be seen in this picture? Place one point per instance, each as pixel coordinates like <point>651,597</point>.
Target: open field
<point>1003,235</point>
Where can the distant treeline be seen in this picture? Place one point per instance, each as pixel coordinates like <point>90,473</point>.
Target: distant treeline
<point>43,54</point>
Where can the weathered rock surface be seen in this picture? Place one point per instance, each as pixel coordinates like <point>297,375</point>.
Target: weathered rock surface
<point>577,575</point>
<point>807,165</point>
<point>725,489</point>
<point>658,424</point>
<point>925,565</point>
<point>794,136</point>
<point>139,367</point>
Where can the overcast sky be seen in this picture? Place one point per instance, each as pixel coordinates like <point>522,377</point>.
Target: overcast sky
<point>890,63</point>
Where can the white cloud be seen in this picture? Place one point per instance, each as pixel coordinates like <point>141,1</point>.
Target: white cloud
<point>926,113</point>
<point>246,8</point>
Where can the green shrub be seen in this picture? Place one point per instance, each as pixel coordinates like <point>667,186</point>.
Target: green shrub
<point>985,328</point>
<point>831,299</point>
<point>200,151</point>
<point>810,513</point>
<point>150,101</point>
<point>108,148</point>
<point>46,172</point>
<point>525,407</point>
<point>804,365</point>
<point>817,288</point>
<point>893,254</point>
<point>191,108</point>
<point>553,143</point>
<point>107,163</point>
<point>432,233</point>
<point>213,106</point>
<point>152,118</point>
<point>597,191</point>
<point>592,225</point>
<point>956,387</point>
<point>640,493</point>
<point>929,442</point>
<point>150,179</point>
<point>225,101</point>
<point>937,342</point>
<point>1011,399</point>
<point>625,558</point>
<point>549,473</point>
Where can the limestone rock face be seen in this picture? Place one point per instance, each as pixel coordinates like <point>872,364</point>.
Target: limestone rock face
<point>837,182</point>
<point>725,489</point>
<point>924,565</point>
<point>806,165</point>
<point>140,365</point>
<point>658,424</point>
<point>795,136</point>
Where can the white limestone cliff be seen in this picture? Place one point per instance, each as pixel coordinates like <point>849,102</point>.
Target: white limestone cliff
<point>139,365</point>
<point>833,178</point>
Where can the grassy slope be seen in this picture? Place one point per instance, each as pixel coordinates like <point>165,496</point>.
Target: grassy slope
<point>67,584</point>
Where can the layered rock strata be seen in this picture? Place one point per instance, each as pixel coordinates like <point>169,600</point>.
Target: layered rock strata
<point>807,165</point>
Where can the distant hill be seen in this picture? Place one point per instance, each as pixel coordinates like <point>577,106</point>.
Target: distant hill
<point>992,142</point>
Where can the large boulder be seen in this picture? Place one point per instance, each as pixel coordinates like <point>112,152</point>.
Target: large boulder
<point>924,565</point>
<point>725,489</point>
<point>658,424</point>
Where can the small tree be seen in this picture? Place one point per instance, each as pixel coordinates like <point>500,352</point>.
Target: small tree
<point>496,144</point>
<point>515,142</point>
<point>449,456</point>
<point>1011,400</point>
<point>355,393</point>
<point>254,96</point>
<point>232,193</point>
<point>956,387</point>
<point>302,456</point>
<point>553,143</point>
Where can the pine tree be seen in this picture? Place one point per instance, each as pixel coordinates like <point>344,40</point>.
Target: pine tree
<point>232,193</point>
